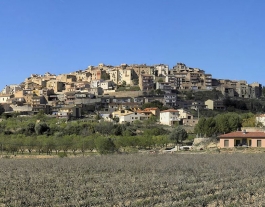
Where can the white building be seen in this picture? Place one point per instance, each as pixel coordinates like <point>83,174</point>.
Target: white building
<point>107,85</point>
<point>129,116</point>
<point>162,70</point>
<point>96,83</point>
<point>169,117</point>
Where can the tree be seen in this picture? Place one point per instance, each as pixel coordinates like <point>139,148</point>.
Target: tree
<point>104,128</point>
<point>146,141</point>
<point>136,81</point>
<point>161,140</point>
<point>178,135</point>
<point>41,128</point>
<point>159,91</point>
<point>30,129</point>
<point>210,126</point>
<point>234,121</point>
<point>152,92</point>
<point>155,103</point>
<point>189,95</point>
<point>2,110</point>
<point>123,84</point>
<point>105,76</point>
<point>118,129</point>
<point>41,115</point>
<point>200,127</point>
<point>249,122</point>
<point>105,145</point>
<point>222,124</point>
<point>151,121</point>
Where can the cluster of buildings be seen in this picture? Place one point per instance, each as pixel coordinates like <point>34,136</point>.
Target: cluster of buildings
<point>125,88</point>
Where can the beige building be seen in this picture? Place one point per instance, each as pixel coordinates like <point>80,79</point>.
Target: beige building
<point>146,82</point>
<point>82,76</point>
<point>56,86</point>
<point>214,104</point>
<point>11,89</point>
<point>241,88</point>
<point>119,75</point>
<point>4,98</point>
<point>142,69</point>
<point>66,78</point>
<point>187,118</point>
<point>98,72</point>
<point>191,78</point>
<point>24,92</point>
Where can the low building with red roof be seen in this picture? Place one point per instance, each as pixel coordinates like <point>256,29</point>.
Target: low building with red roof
<point>242,138</point>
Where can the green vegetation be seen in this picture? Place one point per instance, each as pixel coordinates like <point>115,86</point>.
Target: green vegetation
<point>224,123</point>
<point>43,135</point>
<point>156,104</point>
<point>131,88</point>
<point>178,135</point>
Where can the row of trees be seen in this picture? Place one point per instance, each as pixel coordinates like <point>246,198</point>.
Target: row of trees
<point>46,135</point>
<point>80,143</point>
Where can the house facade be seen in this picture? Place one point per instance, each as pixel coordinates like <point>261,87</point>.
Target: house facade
<point>214,104</point>
<point>126,116</point>
<point>242,138</point>
<point>169,117</point>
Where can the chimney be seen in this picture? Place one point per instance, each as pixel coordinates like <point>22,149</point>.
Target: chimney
<point>244,131</point>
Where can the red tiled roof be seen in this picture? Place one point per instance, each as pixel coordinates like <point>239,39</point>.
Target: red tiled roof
<point>169,110</point>
<point>154,108</point>
<point>240,134</point>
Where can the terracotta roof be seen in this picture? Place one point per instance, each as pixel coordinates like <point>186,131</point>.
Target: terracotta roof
<point>154,108</point>
<point>240,134</point>
<point>144,112</point>
<point>169,110</point>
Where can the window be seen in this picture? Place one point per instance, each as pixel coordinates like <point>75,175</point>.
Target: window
<point>226,143</point>
<point>258,143</point>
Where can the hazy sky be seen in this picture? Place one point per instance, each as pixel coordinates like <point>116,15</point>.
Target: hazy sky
<point>224,38</point>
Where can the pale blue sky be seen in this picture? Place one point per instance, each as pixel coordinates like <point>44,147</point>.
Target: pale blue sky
<point>222,37</point>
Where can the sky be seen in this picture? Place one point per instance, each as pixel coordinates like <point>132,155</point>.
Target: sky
<point>224,38</point>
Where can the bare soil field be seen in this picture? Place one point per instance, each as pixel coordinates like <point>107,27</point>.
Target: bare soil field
<point>135,180</point>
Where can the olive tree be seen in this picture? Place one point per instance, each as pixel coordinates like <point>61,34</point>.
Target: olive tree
<point>178,135</point>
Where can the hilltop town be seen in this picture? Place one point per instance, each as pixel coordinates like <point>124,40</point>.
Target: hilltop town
<point>120,92</point>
